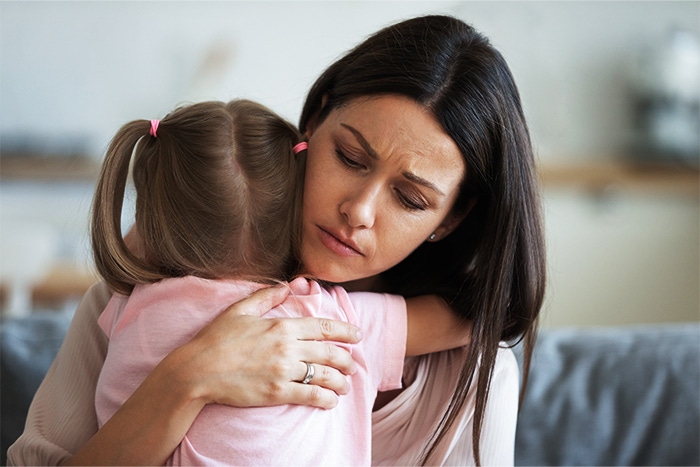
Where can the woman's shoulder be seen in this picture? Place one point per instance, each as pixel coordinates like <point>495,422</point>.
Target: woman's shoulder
<point>506,360</point>
<point>96,298</point>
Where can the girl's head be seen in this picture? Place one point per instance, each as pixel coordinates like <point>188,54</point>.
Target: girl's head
<point>485,253</point>
<point>217,195</point>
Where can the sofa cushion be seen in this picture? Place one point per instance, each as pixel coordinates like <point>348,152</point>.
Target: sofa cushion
<point>613,396</point>
<point>28,346</point>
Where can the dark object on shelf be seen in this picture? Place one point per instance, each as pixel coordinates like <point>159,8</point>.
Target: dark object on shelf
<point>666,86</point>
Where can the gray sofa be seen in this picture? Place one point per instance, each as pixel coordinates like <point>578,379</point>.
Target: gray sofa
<point>602,396</point>
<point>613,396</point>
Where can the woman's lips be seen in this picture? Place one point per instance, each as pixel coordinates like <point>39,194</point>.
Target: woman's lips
<point>338,244</point>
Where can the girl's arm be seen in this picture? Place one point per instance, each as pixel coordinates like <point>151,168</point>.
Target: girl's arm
<point>433,326</point>
<point>239,359</point>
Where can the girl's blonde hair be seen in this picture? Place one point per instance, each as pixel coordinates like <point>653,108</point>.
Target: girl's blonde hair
<point>218,194</point>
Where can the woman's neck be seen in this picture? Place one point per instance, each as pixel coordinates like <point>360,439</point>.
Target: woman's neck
<point>368,284</point>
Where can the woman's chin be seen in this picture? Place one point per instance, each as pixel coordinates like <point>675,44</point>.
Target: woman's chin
<point>348,280</point>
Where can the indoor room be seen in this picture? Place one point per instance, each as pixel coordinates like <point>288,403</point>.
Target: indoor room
<point>610,91</point>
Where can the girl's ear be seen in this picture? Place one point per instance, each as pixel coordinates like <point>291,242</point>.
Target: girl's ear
<point>451,222</point>
<point>313,120</point>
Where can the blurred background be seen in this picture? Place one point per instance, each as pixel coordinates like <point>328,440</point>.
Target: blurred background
<point>611,91</point>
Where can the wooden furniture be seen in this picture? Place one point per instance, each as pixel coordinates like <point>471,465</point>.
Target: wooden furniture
<point>603,176</point>
<point>38,168</point>
<point>656,178</point>
<point>63,283</point>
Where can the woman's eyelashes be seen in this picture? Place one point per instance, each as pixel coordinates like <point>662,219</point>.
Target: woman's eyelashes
<point>349,162</point>
<point>411,201</point>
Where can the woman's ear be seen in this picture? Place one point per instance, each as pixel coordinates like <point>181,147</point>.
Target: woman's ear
<point>313,120</point>
<point>451,222</point>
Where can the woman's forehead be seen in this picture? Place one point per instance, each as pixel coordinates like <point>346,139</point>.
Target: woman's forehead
<point>392,126</point>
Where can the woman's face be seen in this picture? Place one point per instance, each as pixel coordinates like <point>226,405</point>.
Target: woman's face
<point>381,177</point>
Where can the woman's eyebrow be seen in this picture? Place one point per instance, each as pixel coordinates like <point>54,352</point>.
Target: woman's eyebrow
<point>361,139</point>
<point>373,154</point>
<point>421,181</point>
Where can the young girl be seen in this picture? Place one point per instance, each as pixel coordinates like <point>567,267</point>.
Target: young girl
<point>218,198</point>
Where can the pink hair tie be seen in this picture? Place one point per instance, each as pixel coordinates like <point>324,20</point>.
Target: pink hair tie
<point>154,127</point>
<point>303,146</point>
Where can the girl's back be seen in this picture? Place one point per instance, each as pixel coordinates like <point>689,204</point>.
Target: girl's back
<point>158,318</point>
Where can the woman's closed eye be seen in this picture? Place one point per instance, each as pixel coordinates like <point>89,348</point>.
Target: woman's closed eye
<point>410,201</point>
<point>348,162</point>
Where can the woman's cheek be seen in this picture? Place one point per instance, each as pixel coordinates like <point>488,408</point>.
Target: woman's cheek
<point>404,233</point>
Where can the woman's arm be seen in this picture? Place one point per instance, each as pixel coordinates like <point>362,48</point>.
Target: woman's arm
<point>239,359</point>
<point>433,326</point>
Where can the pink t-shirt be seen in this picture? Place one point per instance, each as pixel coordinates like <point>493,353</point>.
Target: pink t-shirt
<point>155,319</point>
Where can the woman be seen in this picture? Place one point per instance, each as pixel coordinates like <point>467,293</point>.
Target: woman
<point>381,124</point>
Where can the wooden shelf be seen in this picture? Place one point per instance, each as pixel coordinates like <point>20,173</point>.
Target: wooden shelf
<point>593,177</point>
<point>64,282</point>
<point>53,169</point>
<point>605,176</point>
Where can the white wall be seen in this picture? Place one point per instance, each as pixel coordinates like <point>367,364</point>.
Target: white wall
<point>87,67</point>
<point>76,71</point>
<point>621,257</point>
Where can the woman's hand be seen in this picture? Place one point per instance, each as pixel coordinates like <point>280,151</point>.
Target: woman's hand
<point>243,360</point>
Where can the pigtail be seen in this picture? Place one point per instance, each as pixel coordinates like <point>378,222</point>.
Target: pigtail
<point>116,263</point>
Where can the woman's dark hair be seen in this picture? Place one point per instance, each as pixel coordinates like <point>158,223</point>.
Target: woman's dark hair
<point>218,194</point>
<point>491,269</point>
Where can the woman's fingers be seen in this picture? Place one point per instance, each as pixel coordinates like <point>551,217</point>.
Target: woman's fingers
<point>244,360</point>
<point>318,329</point>
<point>260,301</point>
<point>294,337</point>
<point>303,338</point>
<point>322,329</point>
<point>324,376</point>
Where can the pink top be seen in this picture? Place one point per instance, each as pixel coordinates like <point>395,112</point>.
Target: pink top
<point>155,319</point>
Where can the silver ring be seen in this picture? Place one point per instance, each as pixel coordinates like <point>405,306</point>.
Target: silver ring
<point>309,373</point>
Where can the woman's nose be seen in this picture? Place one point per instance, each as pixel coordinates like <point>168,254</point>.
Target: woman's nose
<point>360,208</point>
